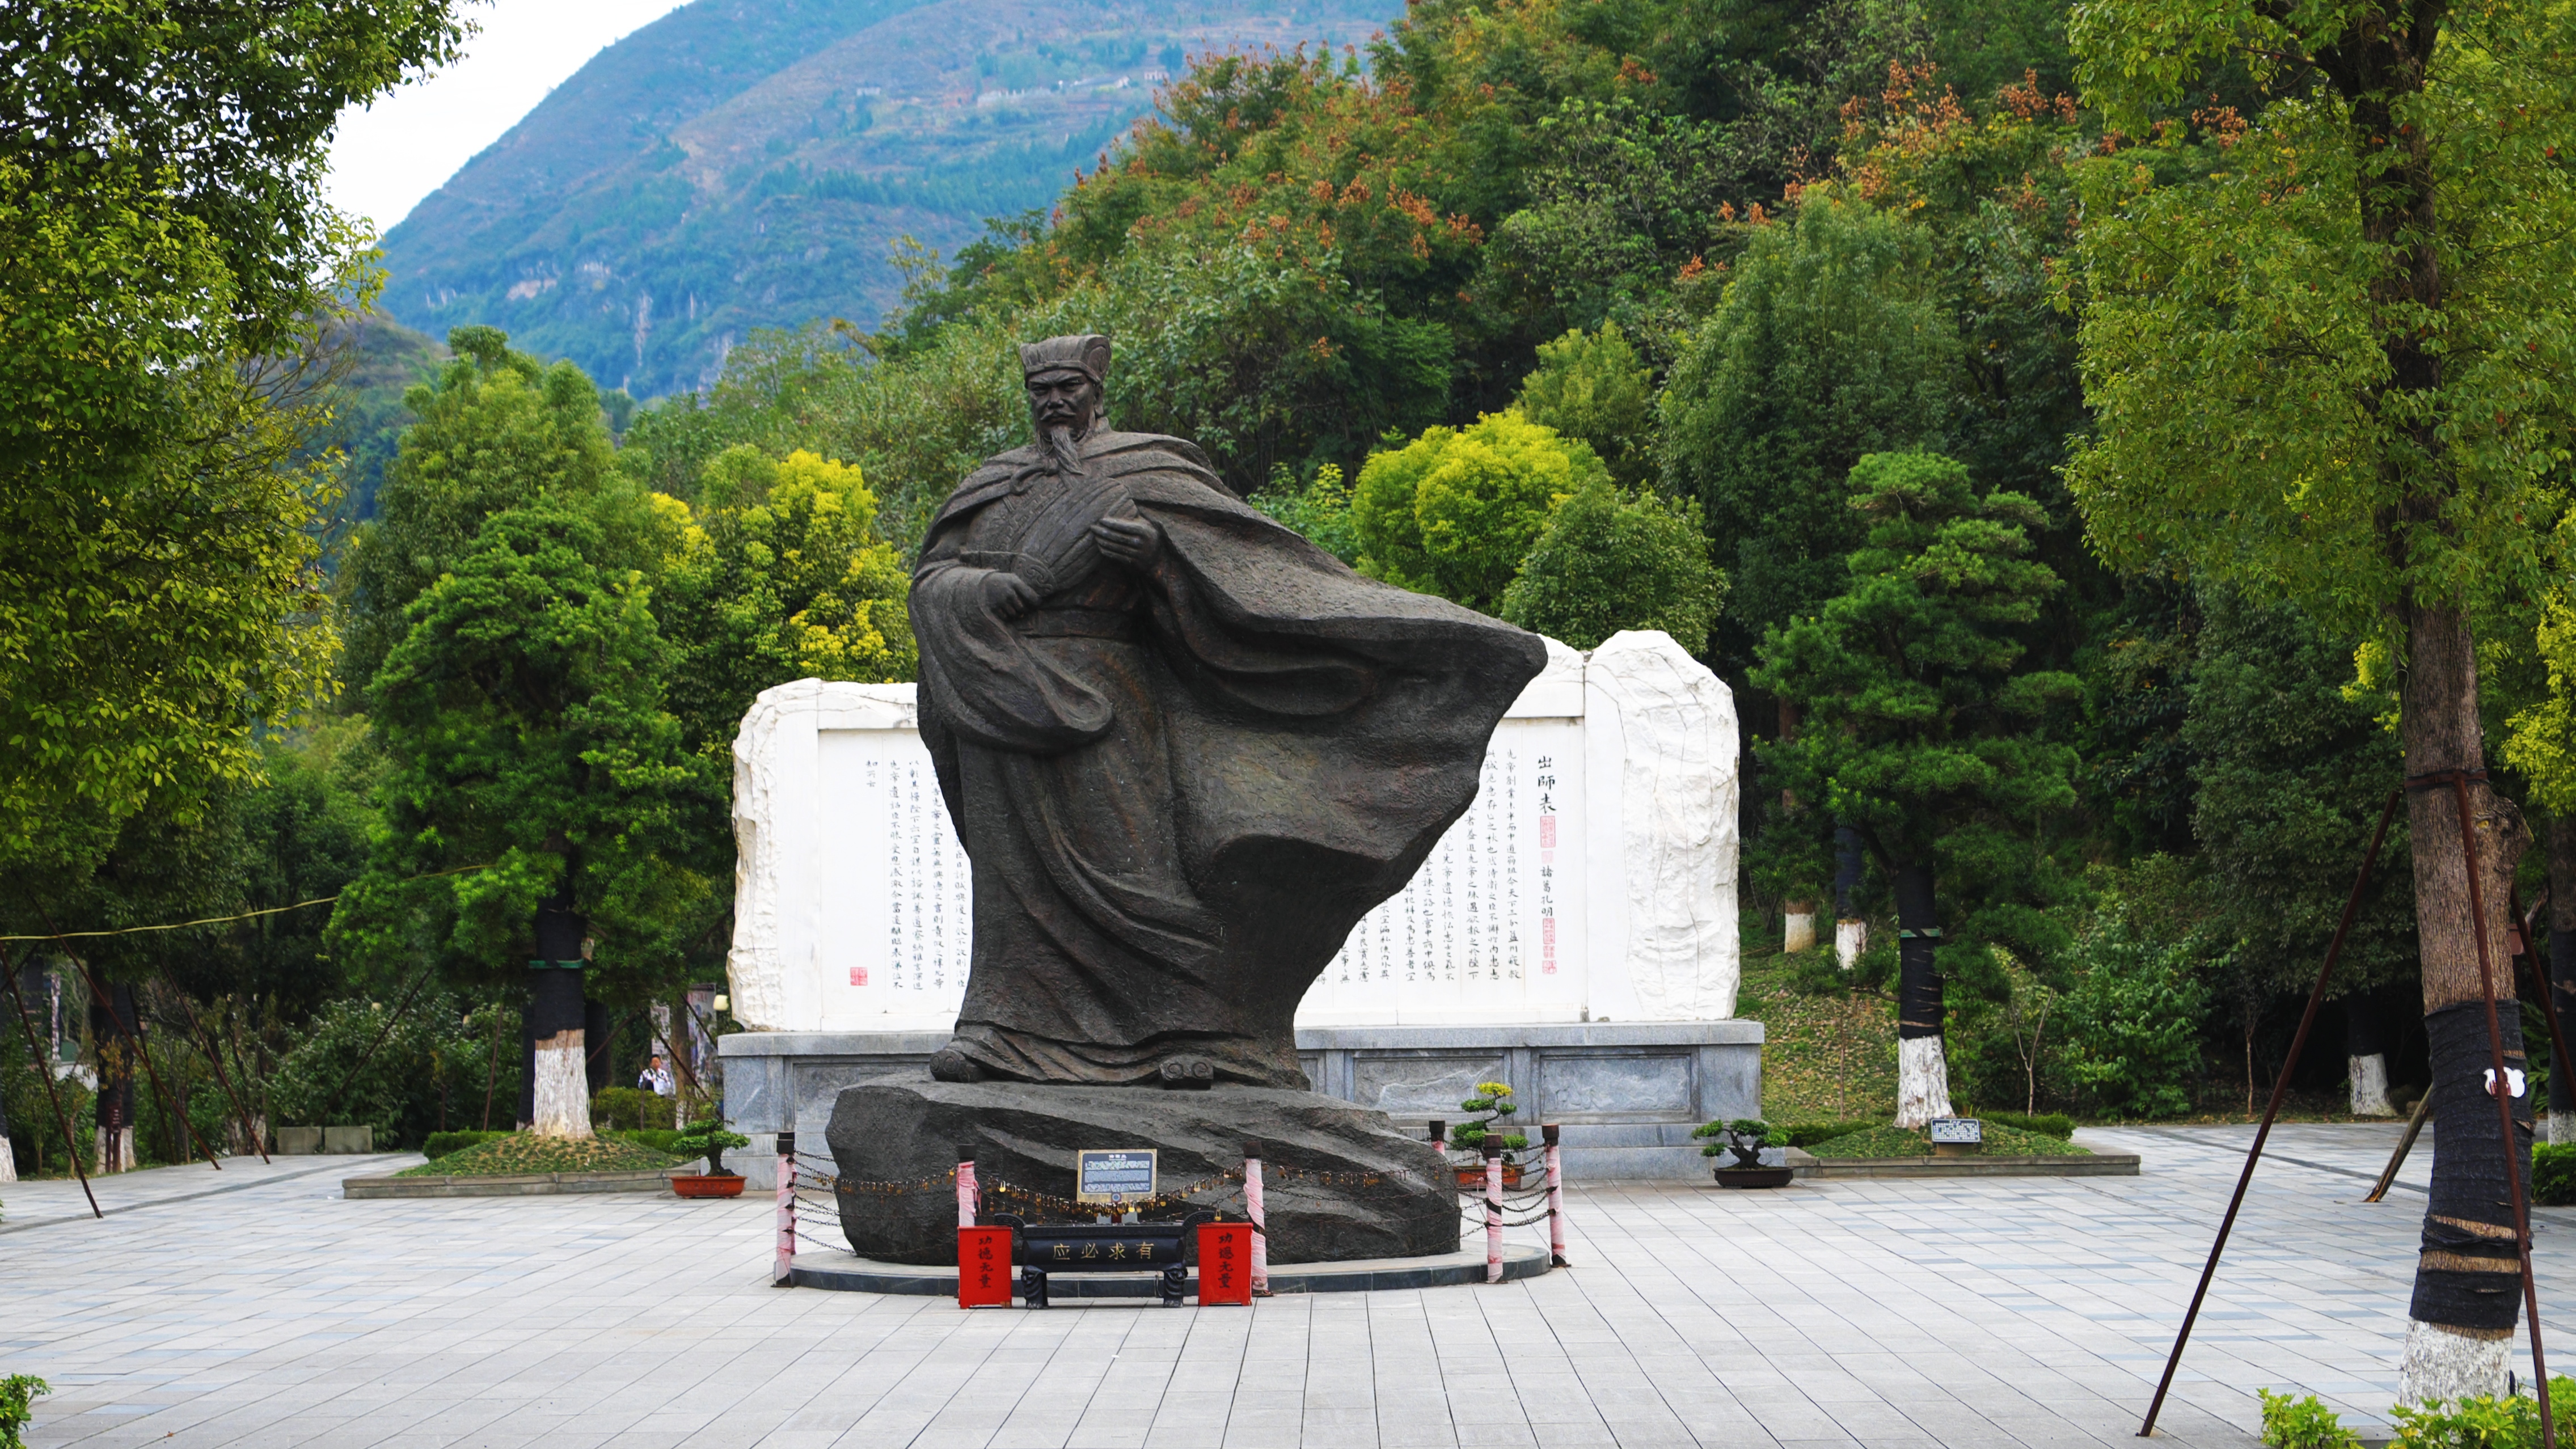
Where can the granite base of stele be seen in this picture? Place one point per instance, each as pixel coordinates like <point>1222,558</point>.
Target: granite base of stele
<point>1341,1182</point>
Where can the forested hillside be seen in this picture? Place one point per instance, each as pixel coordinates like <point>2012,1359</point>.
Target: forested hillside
<point>735,166</point>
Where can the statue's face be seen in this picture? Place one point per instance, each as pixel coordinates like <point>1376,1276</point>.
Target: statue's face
<point>1063,400</point>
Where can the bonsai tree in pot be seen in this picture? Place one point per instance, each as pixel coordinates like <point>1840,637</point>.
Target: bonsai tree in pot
<point>707,1137</point>
<point>1493,1101</point>
<point>1745,1137</point>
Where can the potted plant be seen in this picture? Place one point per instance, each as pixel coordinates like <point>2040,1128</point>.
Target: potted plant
<point>707,1137</point>
<point>1494,1101</point>
<point>1744,1138</point>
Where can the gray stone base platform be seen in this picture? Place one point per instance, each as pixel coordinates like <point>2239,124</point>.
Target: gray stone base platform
<point>823,1268</point>
<point>1627,1094</point>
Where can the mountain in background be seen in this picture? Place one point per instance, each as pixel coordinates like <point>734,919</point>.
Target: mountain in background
<point>737,165</point>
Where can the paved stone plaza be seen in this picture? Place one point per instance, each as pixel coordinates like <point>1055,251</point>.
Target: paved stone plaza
<point>2013,1311</point>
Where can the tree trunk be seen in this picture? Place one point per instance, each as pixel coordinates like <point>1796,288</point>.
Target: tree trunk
<point>1798,926</point>
<point>2366,1056</point>
<point>1851,933</point>
<point>2467,1283</point>
<point>2562,969</point>
<point>115,1106</point>
<point>558,1076</point>
<point>1922,1072</point>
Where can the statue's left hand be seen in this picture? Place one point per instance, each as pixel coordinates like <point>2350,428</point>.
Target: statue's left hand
<point>1132,542</point>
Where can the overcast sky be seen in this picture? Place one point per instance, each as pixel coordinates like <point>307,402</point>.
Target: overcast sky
<point>386,159</point>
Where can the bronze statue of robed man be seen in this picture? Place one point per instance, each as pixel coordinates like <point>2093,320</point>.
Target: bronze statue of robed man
<point>1186,749</point>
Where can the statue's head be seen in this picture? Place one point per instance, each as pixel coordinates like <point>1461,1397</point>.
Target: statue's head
<point>1064,376</point>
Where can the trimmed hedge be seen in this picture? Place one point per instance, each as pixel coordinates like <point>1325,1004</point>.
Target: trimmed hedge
<point>1808,1134</point>
<point>2044,1124</point>
<point>442,1143</point>
<point>2553,1173</point>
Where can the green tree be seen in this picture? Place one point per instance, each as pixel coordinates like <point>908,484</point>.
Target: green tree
<point>1590,386</point>
<point>779,575</point>
<point>539,797</point>
<point>496,430</point>
<point>1832,342</point>
<point>1454,511</point>
<point>1608,561</point>
<point>2291,772</point>
<point>1925,736</point>
<point>2323,344</point>
<point>161,230</point>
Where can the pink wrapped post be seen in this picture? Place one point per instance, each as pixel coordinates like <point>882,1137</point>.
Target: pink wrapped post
<point>1555,1201</point>
<point>783,1273</point>
<point>1260,1220</point>
<point>1493,1207</point>
<point>970,1198</point>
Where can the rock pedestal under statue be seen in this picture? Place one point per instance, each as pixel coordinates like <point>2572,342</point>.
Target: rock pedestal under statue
<point>1342,1183</point>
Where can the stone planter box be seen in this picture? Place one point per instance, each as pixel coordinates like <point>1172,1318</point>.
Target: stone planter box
<point>651,1179</point>
<point>348,1140</point>
<point>298,1141</point>
<point>2100,1164</point>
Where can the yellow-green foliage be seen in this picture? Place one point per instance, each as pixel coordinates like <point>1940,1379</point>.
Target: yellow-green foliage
<point>778,574</point>
<point>1454,511</point>
<point>2542,741</point>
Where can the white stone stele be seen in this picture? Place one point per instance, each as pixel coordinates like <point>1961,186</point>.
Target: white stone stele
<point>2370,1086</point>
<point>1922,1081</point>
<point>1593,879</point>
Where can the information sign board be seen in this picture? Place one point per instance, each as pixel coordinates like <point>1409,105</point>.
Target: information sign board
<point>1113,1175</point>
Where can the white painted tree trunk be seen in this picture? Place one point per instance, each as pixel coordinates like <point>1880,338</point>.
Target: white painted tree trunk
<point>2562,1127</point>
<point>1799,933</point>
<point>1851,938</point>
<point>563,1086</point>
<point>2370,1086</point>
<point>1922,1081</point>
<point>2445,1364</point>
<point>116,1155</point>
<point>8,1161</point>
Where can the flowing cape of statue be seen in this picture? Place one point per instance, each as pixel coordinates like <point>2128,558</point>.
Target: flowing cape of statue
<point>1181,785</point>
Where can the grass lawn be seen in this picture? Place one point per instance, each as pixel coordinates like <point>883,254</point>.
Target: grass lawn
<point>525,1153</point>
<point>1824,1058</point>
<point>2001,1141</point>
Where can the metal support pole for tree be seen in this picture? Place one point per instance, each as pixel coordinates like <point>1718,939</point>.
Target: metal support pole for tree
<point>2280,1087</point>
<point>214,1058</point>
<point>44,1064</point>
<point>2500,1087</point>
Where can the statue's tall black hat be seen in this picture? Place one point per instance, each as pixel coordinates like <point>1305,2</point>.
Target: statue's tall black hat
<point>1086,353</point>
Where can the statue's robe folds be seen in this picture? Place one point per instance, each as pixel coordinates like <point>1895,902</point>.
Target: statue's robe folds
<point>1182,784</point>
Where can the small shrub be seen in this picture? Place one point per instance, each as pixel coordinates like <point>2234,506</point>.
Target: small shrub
<point>1808,1134</point>
<point>2553,1180</point>
<point>2132,1022</point>
<point>442,1143</point>
<point>2302,1423</point>
<point>628,1108</point>
<point>2480,1423</point>
<point>660,1139</point>
<point>18,1394</point>
<point>2043,1124</point>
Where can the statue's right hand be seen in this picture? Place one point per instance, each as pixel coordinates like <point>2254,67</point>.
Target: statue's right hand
<point>1008,595</point>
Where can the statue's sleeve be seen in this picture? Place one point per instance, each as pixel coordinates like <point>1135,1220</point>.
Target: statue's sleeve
<point>980,681</point>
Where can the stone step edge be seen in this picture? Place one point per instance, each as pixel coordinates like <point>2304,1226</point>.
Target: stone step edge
<point>2101,1164</point>
<point>643,1179</point>
<point>841,1272</point>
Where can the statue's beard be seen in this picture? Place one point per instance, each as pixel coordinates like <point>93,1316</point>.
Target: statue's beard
<point>1061,445</point>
